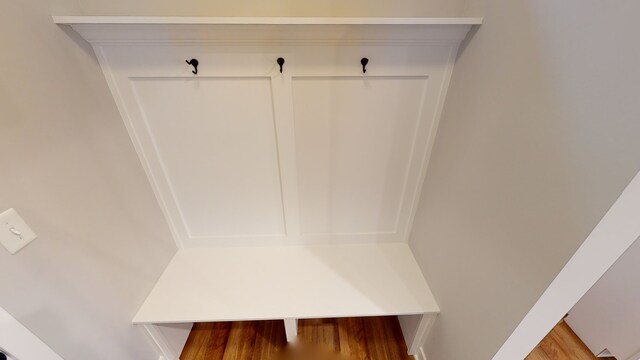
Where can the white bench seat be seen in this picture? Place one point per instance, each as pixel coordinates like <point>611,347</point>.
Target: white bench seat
<point>282,282</point>
<point>290,283</point>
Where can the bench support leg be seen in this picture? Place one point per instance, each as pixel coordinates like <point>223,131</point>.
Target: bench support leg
<point>159,340</point>
<point>415,344</point>
<point>291,329</point>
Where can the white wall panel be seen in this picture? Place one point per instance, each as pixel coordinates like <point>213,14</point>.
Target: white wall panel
<point>354,142</point>
<point>242,154</point>
<point>216,141</point>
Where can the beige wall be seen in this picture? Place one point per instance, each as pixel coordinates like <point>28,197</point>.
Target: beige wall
<point>68,166</point>
<point>539,136</point>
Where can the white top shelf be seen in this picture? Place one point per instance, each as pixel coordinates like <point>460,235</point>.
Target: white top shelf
<point>141,20</point>
<point>279,282</point>
<point>283,30</point>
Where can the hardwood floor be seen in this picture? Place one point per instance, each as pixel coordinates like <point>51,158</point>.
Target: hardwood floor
<point>561,344</point>
<point>371,338</point>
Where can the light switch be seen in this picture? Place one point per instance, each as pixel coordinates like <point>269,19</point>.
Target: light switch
<point>14,232</point>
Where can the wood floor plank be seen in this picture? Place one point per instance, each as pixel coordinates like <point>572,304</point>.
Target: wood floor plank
<point>568,340</point>
<point>328,335</point>
<point>562,344</point>
<point>381,340</point>
<point>393,326</point>
<point>553,349</point>
<point>320,332</point>
<point>538,354</point>
<point>242,339</point>
<point>305,332</point>
<point>270,340</point>
<point>207,341</point>
<point>196,342</point>
<point>352,340</point>
<point>374,338</point>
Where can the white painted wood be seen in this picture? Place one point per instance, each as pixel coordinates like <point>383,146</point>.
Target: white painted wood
<point>415,329</point>
<point>355,139</point>
<point>613,235</point>
<point>268,20</point>
<point>19,343</point>
<point>414,192</point>
<point>422,355</point>
<point>242,117</point>
<point>409,325</point>
<point>302,31</point>
<point>426,323</point>
<point>229,152</point>
<point>258,283</point>
<point>244,155</point>
<point>291,329</point>
<point>281,89</point>
<point>218,154</point>
<point>175,335</point>
<point>608,316</point>
<point>159,341</point>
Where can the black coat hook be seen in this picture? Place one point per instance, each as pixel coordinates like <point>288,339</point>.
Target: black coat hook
<point>364,63</point>
<point>194,63</point>
<point>280,62</point>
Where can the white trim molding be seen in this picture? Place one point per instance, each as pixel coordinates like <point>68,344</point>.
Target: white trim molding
<point>635,357</point>
<point>291,30</point>
<point>613,235</point>
<point>204,20</point>
<point>18,343</point>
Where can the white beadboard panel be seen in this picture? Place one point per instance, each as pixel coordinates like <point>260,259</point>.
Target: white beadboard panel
<point>355,138</point>
<point>218,154</point>
<point>233,154</point>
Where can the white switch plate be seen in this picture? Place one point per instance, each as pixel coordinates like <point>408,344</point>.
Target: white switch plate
<point>14,232</point>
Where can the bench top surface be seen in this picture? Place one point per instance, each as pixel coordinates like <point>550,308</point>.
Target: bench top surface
<point>278,282</point>
<point>230,20</point>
